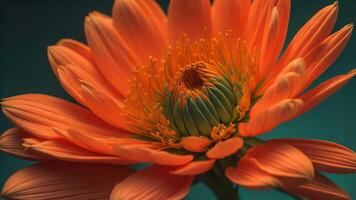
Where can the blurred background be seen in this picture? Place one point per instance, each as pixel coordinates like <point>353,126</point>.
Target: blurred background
<point>28,27</point>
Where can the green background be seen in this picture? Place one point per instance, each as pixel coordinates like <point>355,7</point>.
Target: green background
<point>29,26</point>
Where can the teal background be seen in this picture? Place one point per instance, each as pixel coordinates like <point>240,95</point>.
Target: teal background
<point>28,27</point>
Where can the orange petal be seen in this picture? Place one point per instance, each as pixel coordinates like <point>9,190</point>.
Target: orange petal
<point>71,67</point>
<point>104,105</point>
<point>225,148</point>
<point>62,150</point>
<point>77,47</point>
<point>287,85</point>
<point>195,21</point>
<point>11,142</point>
<point>195,143</point>
<point>115,58</point>
<point>274,35</point>
<point>316,95</point>
<point>154,182</point>
<point>147,155</point>
<point>271,117</point>
<point>248,175</point>
<point>38,114</point>
<point>194,168</point>
<point>230,15</point>
<point>281,160</point>
<point>319,188</point>
<point>59,180</point>
<point>89,142</point>
<point>326,156</point>
<point>319,59</point>
<point>143,25</point>
<point>310,35</point>
<point>259,16</point>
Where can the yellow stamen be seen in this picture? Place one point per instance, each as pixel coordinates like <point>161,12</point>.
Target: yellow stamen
<point>222,132</point>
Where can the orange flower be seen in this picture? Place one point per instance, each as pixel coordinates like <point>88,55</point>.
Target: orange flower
<point>185,93</point>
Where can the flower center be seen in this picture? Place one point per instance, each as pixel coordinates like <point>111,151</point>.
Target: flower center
<point>201,88</point>
<point>199,99</point>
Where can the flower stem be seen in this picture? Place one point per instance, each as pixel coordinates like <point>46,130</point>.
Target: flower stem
<point>219,184</point>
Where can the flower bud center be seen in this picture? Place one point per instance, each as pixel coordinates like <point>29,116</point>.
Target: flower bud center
<point>191,79</point>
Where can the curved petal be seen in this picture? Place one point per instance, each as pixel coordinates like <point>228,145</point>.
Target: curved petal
<point>38,114</point>
<point>115,58</point>
<point>11,141</point>
<point>64,181</point>
<point>230,15</point>
<point>96,144</point>
<point>225,148</point>
<point>147,155</point>
<point>260,15</point>
<point>316,95</point>
<point>271,117</point>
<point>319,188</point>
<point>195,143</point>
<point>248,175</point>
<point>326,156</point>
<point>320,58</point>
<point>274,35</point>
<point>62,150</point>
<point>195,22</point>
<point>281,160</point>
<point>194,167</point>
<point>77,47</point>
<point>310,35</point>
<point>72,66</point>
<point>154,182</point>
<point>287,85</point>
<point>104,105</point>
<point>143,26</point>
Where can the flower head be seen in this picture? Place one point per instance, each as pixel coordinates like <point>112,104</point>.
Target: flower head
<point>186,92</point>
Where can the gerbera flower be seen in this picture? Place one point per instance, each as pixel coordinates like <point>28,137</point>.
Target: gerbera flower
<point>187,93</point>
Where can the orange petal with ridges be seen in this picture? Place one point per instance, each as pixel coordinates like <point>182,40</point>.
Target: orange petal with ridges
<point>183,21</point>
<point>326,156</point>
<point>149,155</point>
<point>154,182</point>
<point>62,180</point>
<point>38,114</point>
<point>230,15</point>
<point>194,167</point>
<point>274,35</point>
<point>310,35</point>
<point>77,47</point>
<point>281,160</point>
<point>270,38</point>
<point>271,117</point>
<point>316,95</point>
<point>248,175</point>
<point>225,148</point>
<point>62,150</point>
<point>287,85</point>
<point>70,83</point>
<point>259,16</point>
<point>323,56</point>
<point>195,143</point>
<point>104,105</point>
<point>71,67</point>
<point>115,58</point>
<point>92,143</point>
<point>11,142</point>
<point>143,26</point>
<point>319,188</point>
